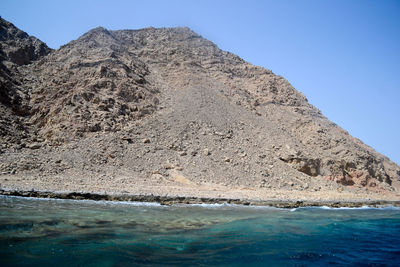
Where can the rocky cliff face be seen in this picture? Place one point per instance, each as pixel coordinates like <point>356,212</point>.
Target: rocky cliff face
<point>17,48</point>
<point>162,103</point>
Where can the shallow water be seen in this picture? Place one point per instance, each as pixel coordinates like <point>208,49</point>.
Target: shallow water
<point>37,232</point>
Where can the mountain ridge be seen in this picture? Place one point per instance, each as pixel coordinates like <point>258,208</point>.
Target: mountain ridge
<point>158,104</point>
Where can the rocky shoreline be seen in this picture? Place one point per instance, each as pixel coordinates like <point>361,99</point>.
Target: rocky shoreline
<point>171,200</point>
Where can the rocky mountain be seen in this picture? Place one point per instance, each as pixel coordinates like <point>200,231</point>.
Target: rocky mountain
<point>17,48</point>
<point>113,110</point>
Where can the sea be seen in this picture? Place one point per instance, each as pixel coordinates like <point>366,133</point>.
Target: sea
<point>50,232</point>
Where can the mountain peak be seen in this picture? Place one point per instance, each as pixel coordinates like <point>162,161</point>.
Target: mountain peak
<point>165,108</point>
<point>18,47</point>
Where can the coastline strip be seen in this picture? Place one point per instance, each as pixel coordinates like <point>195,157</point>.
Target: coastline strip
<point>171,200</point>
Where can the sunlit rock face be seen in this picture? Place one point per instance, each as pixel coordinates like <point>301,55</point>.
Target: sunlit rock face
<point>166,106</point>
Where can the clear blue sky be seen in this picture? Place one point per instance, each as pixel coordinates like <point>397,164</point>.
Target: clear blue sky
<point>344,55</point>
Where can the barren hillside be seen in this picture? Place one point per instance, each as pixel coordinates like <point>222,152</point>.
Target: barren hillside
<point>165,111</point>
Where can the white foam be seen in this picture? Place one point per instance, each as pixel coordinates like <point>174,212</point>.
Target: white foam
<point>203,205</point>
<point>379,207</point>
<point>228,205</point>
<point>129,203</point>
<point>89,201</point>
<point>209,205</point>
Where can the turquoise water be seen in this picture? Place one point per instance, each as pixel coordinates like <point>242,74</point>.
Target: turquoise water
<point>39,232</point>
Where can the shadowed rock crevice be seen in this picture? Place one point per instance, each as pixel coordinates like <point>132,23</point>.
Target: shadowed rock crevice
<point>308,166</point>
